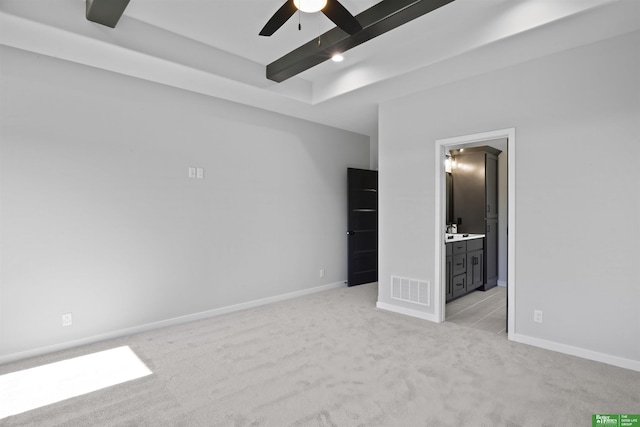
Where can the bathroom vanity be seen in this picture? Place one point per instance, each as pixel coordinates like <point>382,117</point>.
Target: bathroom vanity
<point>465,264</point>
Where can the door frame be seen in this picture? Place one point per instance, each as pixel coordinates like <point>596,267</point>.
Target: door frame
<point>441,147</point>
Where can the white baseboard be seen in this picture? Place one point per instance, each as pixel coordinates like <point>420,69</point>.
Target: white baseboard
<point>609,359</point>
<point>164,323</point>
<point>502,283</point>
<point>407,311</point>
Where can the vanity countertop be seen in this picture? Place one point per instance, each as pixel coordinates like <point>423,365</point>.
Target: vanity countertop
<point>450,238</point>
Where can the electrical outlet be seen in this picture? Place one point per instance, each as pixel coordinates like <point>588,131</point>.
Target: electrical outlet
<point>199,173</point>
<point>67,319</point>
<point>321,272</point>
<point>537,316</point>
<point>192,172</point>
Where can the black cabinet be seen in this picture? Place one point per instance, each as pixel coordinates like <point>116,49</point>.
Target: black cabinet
<point>491,185</point>
<point>491,247</point>
<point>475,259</point>
<point>475,202</point>
<point>475,271</point>
<point>459,284</point>
<point>465,267</point>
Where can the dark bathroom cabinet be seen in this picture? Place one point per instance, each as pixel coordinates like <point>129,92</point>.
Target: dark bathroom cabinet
<point>465,267</point>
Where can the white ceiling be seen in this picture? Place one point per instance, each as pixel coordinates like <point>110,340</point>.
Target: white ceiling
<point>213,47</point>
<point>233,25</point>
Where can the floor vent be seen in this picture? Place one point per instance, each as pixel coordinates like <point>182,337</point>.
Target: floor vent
<point>411,290</point>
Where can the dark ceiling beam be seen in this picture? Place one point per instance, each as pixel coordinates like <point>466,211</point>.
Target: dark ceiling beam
<point>376,20</point>
<point>106,12</point>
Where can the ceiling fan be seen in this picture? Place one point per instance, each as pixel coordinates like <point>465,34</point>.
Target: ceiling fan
<point>331,8</point>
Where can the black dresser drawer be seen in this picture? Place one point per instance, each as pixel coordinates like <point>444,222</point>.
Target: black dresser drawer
<point>459,247</point>
<point>459,285</point>
<point>459,264</point>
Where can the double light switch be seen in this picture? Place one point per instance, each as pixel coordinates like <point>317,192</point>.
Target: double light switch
<point>197,173</point>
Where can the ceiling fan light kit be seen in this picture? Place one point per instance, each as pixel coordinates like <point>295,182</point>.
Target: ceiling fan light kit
<point>310,6</point>
<point>332,9</point>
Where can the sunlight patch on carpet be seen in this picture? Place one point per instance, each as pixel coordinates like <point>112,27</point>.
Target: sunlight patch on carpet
<point>43,385</point>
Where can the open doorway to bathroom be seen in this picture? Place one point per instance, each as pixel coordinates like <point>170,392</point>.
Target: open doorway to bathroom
<point>477,282</point>
<point>476,239</point>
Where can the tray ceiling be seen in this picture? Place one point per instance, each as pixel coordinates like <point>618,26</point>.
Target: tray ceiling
<point>213,47</point>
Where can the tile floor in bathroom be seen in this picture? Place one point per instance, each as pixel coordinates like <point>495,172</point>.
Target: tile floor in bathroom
<point>480,310</point>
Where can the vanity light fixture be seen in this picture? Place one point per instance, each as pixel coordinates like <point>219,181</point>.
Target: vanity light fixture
<point>337,58</point>
<point>447,164</point>
<point>310,6</point>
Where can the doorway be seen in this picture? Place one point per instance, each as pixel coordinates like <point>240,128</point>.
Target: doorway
<point>442,147</point>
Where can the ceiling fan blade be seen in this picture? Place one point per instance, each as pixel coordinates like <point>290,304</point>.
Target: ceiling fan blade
<point>341,17</point>
<point>279,18</point>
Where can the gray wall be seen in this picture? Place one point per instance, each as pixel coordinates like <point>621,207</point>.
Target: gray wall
<point>576,115</point>
<point>99,218</point>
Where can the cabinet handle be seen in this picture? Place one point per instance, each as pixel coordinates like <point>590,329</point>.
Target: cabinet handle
<point>488,208</point>
<point>488,228</point>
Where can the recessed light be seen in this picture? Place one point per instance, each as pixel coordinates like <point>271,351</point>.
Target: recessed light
<point>337,58</point>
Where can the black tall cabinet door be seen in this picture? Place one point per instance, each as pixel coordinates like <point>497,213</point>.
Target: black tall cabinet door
<point>491,221</point>
<point>362,226</point>
<point>491,259</point>
<point>491,186</point>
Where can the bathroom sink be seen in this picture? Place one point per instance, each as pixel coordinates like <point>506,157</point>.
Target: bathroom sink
<point>449,237</point>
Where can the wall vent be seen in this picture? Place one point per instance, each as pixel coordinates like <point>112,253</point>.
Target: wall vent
<point>411,290</point>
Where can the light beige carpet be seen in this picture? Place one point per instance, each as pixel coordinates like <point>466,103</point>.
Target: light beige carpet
<point>333,359</point>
